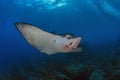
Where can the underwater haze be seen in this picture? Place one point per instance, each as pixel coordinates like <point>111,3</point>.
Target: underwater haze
<point>96,21</point>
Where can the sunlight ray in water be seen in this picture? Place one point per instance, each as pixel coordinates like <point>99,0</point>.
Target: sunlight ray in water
<point>43,4</point>
<point>106,6</point>
<point>110,9</point>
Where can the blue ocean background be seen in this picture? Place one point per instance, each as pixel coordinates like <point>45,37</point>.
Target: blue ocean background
<point>96,21</point>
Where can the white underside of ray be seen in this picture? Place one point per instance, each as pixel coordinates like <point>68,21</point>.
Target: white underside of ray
<point>43,41</point>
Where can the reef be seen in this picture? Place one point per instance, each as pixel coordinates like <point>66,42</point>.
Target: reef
<point>87,65</point>
<point>71,68</point>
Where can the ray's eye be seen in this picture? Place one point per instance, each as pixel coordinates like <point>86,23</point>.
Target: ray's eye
<point>70,43</point>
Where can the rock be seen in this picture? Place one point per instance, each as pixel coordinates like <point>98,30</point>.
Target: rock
<point>115,74</point>
<point>2,77</point>
<point>76,68</point>
<point>60,75</point>
<point>97,75</point>
<point>78,72</point>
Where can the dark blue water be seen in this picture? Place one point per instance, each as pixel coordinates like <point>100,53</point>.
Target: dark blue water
<point>97,21</point>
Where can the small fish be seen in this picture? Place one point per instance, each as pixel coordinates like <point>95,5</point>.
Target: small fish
<point>47,42</point>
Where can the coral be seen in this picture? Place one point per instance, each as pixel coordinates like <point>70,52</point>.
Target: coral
<point>97,75</point>
<point>115,74</point>
<point>56,68</point>
<point>4,77</point>
<point>75,68</point>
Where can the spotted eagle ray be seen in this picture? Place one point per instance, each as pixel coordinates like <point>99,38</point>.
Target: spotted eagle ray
<point>47,42</point>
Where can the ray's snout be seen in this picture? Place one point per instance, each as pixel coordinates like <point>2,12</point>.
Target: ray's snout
<point>76,42</point>
<point>73,43</point>
<point>78,39</point>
